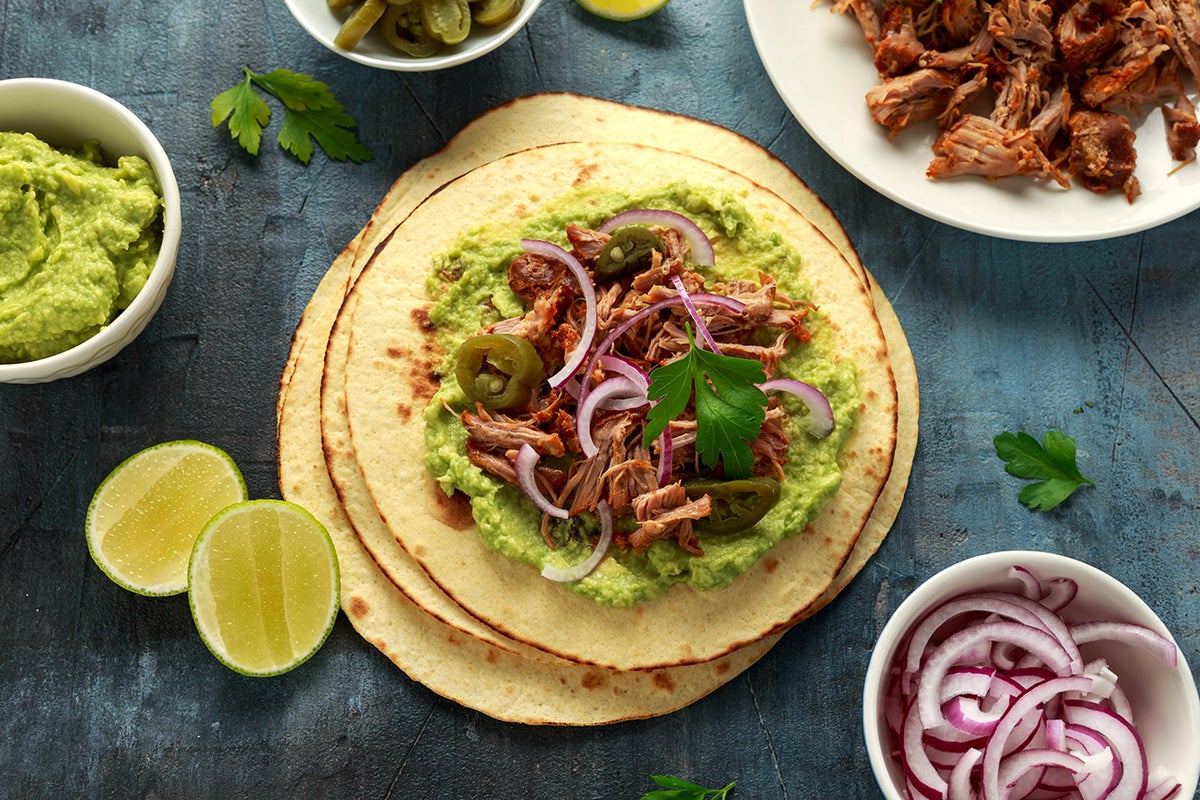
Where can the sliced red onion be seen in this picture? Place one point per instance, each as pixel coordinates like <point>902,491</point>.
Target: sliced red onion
<point>584,568</point>
<point>820,413</point>
<point>1037,758</point>
<point>1005,604</point>
<point>960,776</point>
<point>1059,593</point>
<point>625,367</point>
<point>1161,786</point>
<point>1031,586</point>
<point>607,392</point>
<point>1028,703</point>
<point>695,315</point>
<point>917,766</point>
<point>698,243</point>
<point>1049,649</point>
<point>526,463</point>
<point>666,456</point>
<point>1137,635</point>
<point>1000,673</point>
<point>577,356</point>
<point>1122,738</point>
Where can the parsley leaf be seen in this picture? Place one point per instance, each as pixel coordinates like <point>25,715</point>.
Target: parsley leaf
<point>679,789</point>
<point>310,111</point>
<point>1051,464</point>
<point>730,408</point>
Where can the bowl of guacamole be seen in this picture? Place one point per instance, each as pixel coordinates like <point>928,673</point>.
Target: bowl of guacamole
<point>89,228</point>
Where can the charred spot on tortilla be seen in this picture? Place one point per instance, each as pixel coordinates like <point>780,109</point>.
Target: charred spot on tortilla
<point>663,681</point>
<point>358,607</point>
<point>592,680</point>
<point>421,315</point>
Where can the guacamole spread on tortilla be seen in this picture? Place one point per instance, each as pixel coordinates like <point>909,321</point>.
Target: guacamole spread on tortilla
<point>78,240</point>
<point>473,293</point>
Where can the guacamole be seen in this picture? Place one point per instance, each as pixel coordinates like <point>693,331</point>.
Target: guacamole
<point>471,286</point>
<point>78,240</point>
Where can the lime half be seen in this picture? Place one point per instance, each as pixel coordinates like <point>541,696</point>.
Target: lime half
<point>263,586</point>
<point>623,10</point>
<point>145,516</point>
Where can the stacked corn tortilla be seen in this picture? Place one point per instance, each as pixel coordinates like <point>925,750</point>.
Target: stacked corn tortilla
<point>416,581</point>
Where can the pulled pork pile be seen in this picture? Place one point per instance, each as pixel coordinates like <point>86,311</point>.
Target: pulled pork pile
<point>624,472</point>
<point>1065,75</point>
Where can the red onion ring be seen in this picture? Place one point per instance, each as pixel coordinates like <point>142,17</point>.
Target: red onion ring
<point>666,456</point>
<point>695,315</point>
<point>576,357</point>
<point>525,463</point>
<point>625,367</point>
<point>607,393</point>
<point>584,568</point>
<point>1121,737</point>
<point>701,248</point>
<point>1153,642</point>
<point>820,413</point>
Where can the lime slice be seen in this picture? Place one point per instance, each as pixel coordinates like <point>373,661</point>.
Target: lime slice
<point>263,586</point>
<point>623,10</point>
<point>145,516</point>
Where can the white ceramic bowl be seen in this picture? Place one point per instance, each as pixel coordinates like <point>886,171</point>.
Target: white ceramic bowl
<point>66,115</point>
<point>323,25</point>
<point>1164,700</point>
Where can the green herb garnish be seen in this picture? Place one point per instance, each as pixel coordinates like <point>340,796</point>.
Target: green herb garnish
<point>730,408</point>
<point>310,111</point>
<point>1051,464</point>
<point>679,789</point>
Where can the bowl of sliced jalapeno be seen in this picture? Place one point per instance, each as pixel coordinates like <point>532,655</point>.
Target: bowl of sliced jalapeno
<point>412,35</point>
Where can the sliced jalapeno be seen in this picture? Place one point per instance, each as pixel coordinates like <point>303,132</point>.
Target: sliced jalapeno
<point>736,505</point>
<point>490,13</point>
<point>628,251</point>
<point>448,21</point>
<point>498,370</point>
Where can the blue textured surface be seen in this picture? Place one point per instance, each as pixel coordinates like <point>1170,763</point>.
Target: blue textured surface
<point>106,694</point>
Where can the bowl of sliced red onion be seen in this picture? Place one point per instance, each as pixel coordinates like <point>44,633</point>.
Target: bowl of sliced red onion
<point>1030,675</point>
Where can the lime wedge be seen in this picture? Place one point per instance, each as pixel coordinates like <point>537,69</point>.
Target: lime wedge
<point>145,516</point>
<point>623,10</point>
<point>263,586</point>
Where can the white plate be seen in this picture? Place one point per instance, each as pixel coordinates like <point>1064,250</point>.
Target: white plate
<point>822,68</point>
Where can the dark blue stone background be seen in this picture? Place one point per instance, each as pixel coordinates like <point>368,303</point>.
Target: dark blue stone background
<point>107,694</point>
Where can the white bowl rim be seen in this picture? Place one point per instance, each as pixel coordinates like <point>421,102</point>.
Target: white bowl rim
<point>401,63</point>
<point>922,598</point>
<point>87,350</point>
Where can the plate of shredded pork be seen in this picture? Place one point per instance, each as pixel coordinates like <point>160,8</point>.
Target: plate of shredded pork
<point>1037,120</point>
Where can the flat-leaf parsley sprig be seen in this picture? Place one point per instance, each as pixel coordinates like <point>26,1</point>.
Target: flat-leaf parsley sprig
<point>310,111</point>
<point>1051,464</point>
<point>730,407</point>
<point>679,789</point>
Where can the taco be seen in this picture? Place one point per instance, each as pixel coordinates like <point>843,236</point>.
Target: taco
<point>433,638</point>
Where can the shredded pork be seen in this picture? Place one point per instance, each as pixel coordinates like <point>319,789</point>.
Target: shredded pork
<point>1062,80</point>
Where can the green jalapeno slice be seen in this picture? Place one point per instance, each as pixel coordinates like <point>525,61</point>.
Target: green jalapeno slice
<point>493,12</point>
<point>628,251</point>
<point>498,370</point>
<point>736,505</point>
